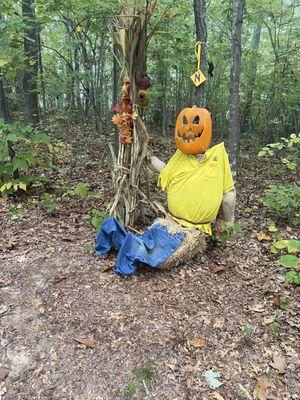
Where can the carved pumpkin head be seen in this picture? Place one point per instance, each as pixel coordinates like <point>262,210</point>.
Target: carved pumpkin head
<point>193,130</point>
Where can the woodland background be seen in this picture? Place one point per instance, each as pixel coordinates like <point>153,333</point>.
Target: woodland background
<point>223,326</point>
<point>58,62</point>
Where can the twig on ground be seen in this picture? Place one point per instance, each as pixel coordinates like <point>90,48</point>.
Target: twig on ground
<point>134,230</point>
<point>146,389</point>
<point>9,309</point>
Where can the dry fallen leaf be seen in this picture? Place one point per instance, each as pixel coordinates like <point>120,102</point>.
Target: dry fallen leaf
<point>256,369</point>
<point>35,303</point>
<point>188,368</point>
<point>196,342</point>
<point>218,268</point>
<point>262,236</point>
<point>60,277</point>
<point>11,243</point>
<point>216,396</point>
<point>290,351</point>
<point>85,340</point>
<point>3,373</point>
<point>281,302</point>
<point>68,239</point>
<point>219,322</point>
<point>260,390</point>
<point>259,307</point>
<point>294,322</point>
<point>278,363</point>
<point>107,266</point>
<point>269,320</point>
<point>277,298</point>
<point>171,366</point>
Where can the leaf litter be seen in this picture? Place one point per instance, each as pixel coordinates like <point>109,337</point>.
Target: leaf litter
<point>183,322</point>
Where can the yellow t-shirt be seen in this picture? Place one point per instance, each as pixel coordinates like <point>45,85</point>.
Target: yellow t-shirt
<point>195,188</point>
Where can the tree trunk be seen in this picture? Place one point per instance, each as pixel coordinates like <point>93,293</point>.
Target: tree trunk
<point>70,93</point>
<point>252,76</point>
<point>234,106</point>
<point>3,101</point>
<point>162,79</point>
<point>30,75</point>
<point>201,35</point>
<point>41,69</point>
<point>7,119</point>
<point>77,90</point>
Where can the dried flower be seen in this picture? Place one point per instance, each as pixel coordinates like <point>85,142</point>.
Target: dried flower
<point>117,119</point>
<point>117,108</point>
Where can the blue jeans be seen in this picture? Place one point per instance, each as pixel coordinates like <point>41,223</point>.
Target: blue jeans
<point>153,247</point>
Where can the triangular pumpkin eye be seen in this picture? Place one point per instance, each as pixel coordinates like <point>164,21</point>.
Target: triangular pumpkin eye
<point>196,120</point>
<point>184,120</point>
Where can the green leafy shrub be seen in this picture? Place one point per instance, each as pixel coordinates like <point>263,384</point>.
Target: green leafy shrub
<point>287,151</point>
<point>81,190</point>
<point>97,217</point>
<point>130,389</point>
<point>16,211</point>
<point>31,150</point>
<point>284,202</point>
<point>289,261</point>
<point>48,203</point>
<point>228,234</point>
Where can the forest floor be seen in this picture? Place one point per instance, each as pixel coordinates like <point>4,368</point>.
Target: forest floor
<point>72,329</point>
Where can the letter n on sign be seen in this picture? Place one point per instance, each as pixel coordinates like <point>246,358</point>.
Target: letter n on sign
<point>198,78</point>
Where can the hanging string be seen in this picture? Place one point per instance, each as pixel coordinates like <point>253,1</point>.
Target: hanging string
<point>198,47</point>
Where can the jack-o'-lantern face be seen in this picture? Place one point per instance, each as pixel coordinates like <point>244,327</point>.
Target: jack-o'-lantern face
<point>193,130</point>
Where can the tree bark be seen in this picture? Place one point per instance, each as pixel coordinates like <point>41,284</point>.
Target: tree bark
<point>77,83</point>
<point>234,106</point>
<point>201,36</point>
<point>3,101</point>
<point>252,76</point>
<point>7,119</point>
<point>30,75</point>
<point>41,69</point>
<point>162,79</point>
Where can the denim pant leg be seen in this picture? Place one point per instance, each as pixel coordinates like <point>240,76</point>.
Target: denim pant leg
<point>111,234</point>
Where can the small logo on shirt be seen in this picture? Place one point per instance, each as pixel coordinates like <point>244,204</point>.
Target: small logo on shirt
<point>215,159</point>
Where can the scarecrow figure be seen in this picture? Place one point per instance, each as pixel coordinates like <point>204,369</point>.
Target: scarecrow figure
<point>199,188</point>
<point>198,182</point>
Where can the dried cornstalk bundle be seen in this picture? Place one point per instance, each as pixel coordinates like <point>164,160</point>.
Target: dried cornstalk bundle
<point>130,36</point>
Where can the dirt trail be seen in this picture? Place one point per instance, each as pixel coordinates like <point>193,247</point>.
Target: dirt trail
<point>215,313</point>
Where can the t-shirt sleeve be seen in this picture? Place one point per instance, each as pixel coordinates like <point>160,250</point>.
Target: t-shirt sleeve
<point>163,178</point>
<point>228,183</point>
<point>166,173</point>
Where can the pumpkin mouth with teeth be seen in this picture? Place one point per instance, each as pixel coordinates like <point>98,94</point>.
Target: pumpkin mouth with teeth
<point>193,130</point>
